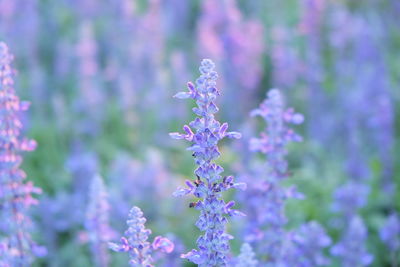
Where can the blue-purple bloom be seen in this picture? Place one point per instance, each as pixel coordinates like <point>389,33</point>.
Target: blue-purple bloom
<point>266,196</point>
<point>310,240</point>
<point>97,222</point>
<point>247,257</point>
<point>16,246</point>
<point>390,232</point>
<point>213,246</point>
<point>349,198</point>
<point>349,250</point>
<point>135,241</point>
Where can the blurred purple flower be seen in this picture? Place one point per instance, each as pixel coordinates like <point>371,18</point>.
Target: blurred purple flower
<point>349,250</point>
<point>97,222</point>
<point>312,16</point>
<point>246,257</point>
<point>390,232</point>
<point>15,194</point>
<point>208,186</point>
<point>141,182</point>
<point>136,244</point>
<point>310,240</point>
<point>277,135</point>
<point>91,93</point>
<point>349,198</point>
<point>172,259</point>
<point>287,66</point>
<point>237,45</point>
<point>266,197</point>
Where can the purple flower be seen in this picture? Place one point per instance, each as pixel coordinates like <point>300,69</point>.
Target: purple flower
<point>246,257</point>
<point>349,198</point>
<point>236,43</point>
<point>97,222</point>
<point>310,240</point>
<point>349,250</point>
<point>277,135</point>
<point>15,194</point>
<point>136,244</point>
<point>390,232</point>
<point>91,92</point>
<point>213,246</point>
<point>266,196</point>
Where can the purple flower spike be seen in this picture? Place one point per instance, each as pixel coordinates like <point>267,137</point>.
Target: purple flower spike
<point>164,244</point>
<point>266,197</point>
<point>136,244</point>
<point>349,250</point>
<point>16,245</point>
<point>390,233</point>
<point>97,222</point>
<point>213,246</point>
<point>246,257</point>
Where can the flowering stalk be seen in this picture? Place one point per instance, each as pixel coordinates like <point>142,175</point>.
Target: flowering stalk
<point>348,249</point>
<point>135,242</point>
<point>16,246</point>
<point>309,241</point>
<point>267,196</point>
<point>246,257</point>
<point>390,236</point>
<point>209,184</point>
<point>97,222</point>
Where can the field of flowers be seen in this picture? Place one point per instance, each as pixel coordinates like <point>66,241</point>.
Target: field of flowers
<point>199,133</point>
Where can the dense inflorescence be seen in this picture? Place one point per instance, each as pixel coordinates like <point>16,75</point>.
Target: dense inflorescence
<point>246,257</point>
<point>390,233</point>
<point>16,245</point>
<point>136,244</point>
<point>266,195</point>
<point>208,186</point>
<point>309,241</point>
<point>350,248</point>
<point>97,222</point>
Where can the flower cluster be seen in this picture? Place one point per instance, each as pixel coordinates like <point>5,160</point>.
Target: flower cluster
<point>277,135</point>
<point>136,244</point>
<point>349,250</point>
<point>209,184</point>
<point>266,197</point>
<point>390,232</point>
<point>246,257</point>
<point>97,222</point>
<point>17,248</point>
<point>310,240</point>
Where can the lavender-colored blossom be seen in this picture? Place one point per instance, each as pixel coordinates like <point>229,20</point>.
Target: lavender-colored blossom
<point>172,259</point>
<point>287,66</point>
<point>15,194</point>
<point>349,250</point>
<point>91,92</point>
<point>213,246</point>
<point>81,164</point>
<point>144,183</point>
<point>390,232</point>
<point>135,241</point>
<point>246,257</point>
<point>349,198</point>
<point>312,16</point>
<point>266,195</point>
<point>97,222</point>
<point>314,71</point>
<point>310,239</point>
<point>277,135</point>
<point>234,41</point>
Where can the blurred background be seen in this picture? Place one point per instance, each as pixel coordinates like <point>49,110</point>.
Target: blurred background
<point>100,76</point>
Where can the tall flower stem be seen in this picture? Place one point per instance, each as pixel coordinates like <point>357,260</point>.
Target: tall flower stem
<point>214,243</point>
